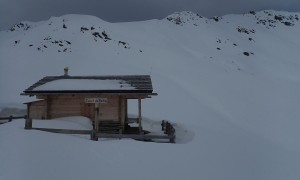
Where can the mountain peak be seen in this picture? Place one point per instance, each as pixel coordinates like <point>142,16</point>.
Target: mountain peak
<point>184,17</point>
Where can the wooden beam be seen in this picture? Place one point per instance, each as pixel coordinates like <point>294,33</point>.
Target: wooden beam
<point>134,136</point>
<point>41,95</point>
<point>28,110</point>
<point>119,108</point>
<point>140,114</point>
<point>64,131</point>
<point>126,110</point>
<point>48,107</point>
<point>28,123</point>
<point>97,117</point>
<point>13,117</point>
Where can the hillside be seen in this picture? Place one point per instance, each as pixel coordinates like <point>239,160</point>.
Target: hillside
<point>232,82</point>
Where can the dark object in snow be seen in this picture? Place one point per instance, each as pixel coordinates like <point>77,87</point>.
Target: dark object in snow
<point>97,34</point>
<point>45,46</point>
<point>47,38</point>
<point>168,129</point>
<point>64,26</point>
<point>278,17</point>
<point>234,44</point>
<point>121,42</point>
<point>218,48</point>
<point>105,35</point>
<point>246,53</point>
<point>124,44</point>
<point>82,29</point>
<point>175,20</point>
<point>288,23</point>
<point>60,44</point>
<point>245,30</point>
<point>199,15</point>
<point>178,20</point>
<point>216,18</point>
<point>252,12</point>
<point>30,45</point>
<point>20,26</point>
<point>92,28</point>
<point>68,42</point>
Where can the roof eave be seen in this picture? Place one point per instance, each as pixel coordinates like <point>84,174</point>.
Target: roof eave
<point>33,93</point>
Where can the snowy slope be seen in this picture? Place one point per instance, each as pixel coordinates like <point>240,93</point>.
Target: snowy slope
<point>232,81</point>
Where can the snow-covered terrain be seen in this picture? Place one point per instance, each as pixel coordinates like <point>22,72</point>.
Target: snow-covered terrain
<point>231,85</point>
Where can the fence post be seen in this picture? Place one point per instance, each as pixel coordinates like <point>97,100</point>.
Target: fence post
<point>94,136</point>
<point>10,118</point>
<point>162,125</point>
<point>167,130</point>
<point>28,123</point>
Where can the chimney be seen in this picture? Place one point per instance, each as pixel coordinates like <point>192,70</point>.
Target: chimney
<point>66,69</point>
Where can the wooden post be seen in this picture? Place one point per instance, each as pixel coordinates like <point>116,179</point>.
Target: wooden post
<point>10,118</point>
<point>126,110</point>
<point>94,136</point>
<point>97,117</point>
<point>48,106</point>
<point>120,108</point>
<point>140,114</point>
<point>28,110</point>
<point>28,123</point>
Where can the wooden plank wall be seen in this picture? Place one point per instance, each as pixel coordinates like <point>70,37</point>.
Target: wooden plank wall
<point>37,110</point>
<point>87,110</point>
<point>68,105</point>
<point>62,106</point>
<point>110,111</point>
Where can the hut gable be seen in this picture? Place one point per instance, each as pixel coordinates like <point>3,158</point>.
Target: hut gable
<point>92,84</point>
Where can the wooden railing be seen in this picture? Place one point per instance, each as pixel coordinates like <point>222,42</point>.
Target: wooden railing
<point>167,127</point>
<point>10,118</point>
<point>64,131</point>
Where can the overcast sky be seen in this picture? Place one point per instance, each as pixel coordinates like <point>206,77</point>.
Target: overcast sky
<point>13,11</point>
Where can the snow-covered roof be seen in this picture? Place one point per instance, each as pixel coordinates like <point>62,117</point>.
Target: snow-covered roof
<point>84,84</point>
<point>92,84</point>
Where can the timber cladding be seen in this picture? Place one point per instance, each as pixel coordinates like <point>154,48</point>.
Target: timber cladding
<point>56,106</point>
<point>36,109</point>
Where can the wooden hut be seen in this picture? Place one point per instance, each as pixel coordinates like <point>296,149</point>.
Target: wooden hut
<point>103,99</point>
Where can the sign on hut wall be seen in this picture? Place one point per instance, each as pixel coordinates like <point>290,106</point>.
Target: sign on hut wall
<point>96,100</point>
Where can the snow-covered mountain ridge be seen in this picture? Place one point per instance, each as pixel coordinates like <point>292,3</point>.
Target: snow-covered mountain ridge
<point>93,28</point>
<point>232,81</point>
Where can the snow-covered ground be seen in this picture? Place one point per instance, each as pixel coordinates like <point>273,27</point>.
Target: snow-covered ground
<point>230,84</point>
